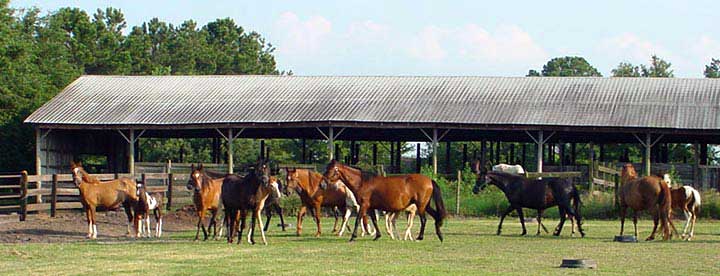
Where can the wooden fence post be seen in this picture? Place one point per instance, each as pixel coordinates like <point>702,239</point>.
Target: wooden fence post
<point>169,191</point>
<point>143,180</point>
<point>53,196</point>
<point>23,195</point>
<point>457,194</point>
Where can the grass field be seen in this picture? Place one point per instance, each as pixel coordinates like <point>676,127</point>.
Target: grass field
<point>470,248</point>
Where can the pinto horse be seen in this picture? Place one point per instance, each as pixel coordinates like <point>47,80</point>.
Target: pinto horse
<point>248,193</point>
<point>109,194</point>
<point>307,185</point>
<point>538,194</point>
<point>148,202</point>
<point>206,197</point>
<point>687,199</point>
<point>649,193</point>
<point>390,194</point>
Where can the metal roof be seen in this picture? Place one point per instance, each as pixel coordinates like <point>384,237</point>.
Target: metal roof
<point>152,101</point>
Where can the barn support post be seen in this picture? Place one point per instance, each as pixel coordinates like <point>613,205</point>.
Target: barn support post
<point>540,141</point>
<point>398,157</point>
<point>591,166</point>
<point>330,138</point>
<point>262,149</point>
<point>573,154</point>
<point>464,155</point>
<point>229,139</point>
<point>434,143</point>
<point>448,169</point>
<point>303,159</point>
<point>418,159</point>
<point>392,157</point>
<point>648,143</point>
<point>511,155</point>
<point>374,154</point>
<point>523,161</point>
<point>39,138</point>
<point>131,139</point>
<point>483,153</point>
<point>561,150</point>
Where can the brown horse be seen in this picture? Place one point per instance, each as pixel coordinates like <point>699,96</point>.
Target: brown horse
<point>249,193</point>
<point>109,194</point>
<point>391,194</point>
<point>307,185</point>
<point>687,199</point>
<point>649,193</point>
<point>146,203</point>
<point>206,197</point>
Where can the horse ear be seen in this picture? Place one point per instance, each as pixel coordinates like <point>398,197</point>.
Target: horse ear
<point>476,166</point>
<point>200,167</point>
<point>192,167</point>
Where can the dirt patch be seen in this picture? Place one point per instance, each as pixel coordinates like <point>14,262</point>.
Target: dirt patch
<point>71,226</point>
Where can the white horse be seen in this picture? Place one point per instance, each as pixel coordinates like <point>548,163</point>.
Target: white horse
<point>513,169</point>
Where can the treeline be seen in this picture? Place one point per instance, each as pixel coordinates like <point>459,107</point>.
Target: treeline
<point>40,54</point>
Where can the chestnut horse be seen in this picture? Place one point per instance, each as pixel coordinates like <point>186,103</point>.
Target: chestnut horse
<point>249,193</point>
<point>109,194</point>
<point>649,193</point>
<point>307,185</point>
<point>206,197</point>
<point>390,194</point>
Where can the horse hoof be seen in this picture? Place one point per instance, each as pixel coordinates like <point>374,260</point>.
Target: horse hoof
<point>317,235</point>
<point>650,238</point>
<point>376,238</point>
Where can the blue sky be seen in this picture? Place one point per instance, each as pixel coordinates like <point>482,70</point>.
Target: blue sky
<point>489,38</point>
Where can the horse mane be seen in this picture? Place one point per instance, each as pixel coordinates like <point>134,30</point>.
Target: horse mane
<point>628,173</point>
<point>364,175</point>
<point>86,177</point>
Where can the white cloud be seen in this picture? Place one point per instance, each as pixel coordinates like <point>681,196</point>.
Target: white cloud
<point>706,48</point>
<point>632,48</point>
<point>301,36</point>
<point>427,44</point>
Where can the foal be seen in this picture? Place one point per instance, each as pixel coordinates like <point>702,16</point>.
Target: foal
<point>148,202</point>
<point>206,197</point>
<point>109,194</point>
<point>307,185</point>
<point>687,199</point>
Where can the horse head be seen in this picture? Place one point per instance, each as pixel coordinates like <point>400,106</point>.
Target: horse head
<point>481,179</point>
<point>77,172</point>
<point>293,181</point>
<point>195,181</point>
<point>275,187</point>
<point>262,172</point>
<point>332,174</point>
<point>628,173</point>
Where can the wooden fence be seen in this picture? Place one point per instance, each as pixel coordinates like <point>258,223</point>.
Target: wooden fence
<point>58,191</point>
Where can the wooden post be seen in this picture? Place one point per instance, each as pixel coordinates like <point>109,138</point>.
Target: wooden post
<point>418,158</point>
<point>53,196</point>
<point>591,166</point>
<point>374,154</point>
<point>357,153</point>
<point>498,146</point>
<point>540,151</point>
<point>696,164</point>
<point>703,154</point>
<point>523,161</point>
<point>131,153</point>
<point>303,159</point>
<point>23,195</point>
<point>602,153</point>
<point>169,193</point>
<point>457,193</point>
<point>143,179</point>
<point>561,149</point>
<point>464,155</point>
<point>262,149</point>
<point>338,152</point>
<point>331,144</point>
<point>573,154</point>
<point>38,159</point>
<point>491,157</point>
<point>398,157</point>
<point>392,157</point>
<point>447,158</point>
<point>434,150</point>
<point>483,153</point>
<point>648,148</point>
<point>230,161</point>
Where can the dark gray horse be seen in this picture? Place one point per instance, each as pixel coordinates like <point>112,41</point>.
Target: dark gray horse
<point>538,194</point>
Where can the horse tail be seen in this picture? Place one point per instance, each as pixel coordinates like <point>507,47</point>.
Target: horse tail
<point>439,203</point>
<point>665,206</point>
<point>576,200</point>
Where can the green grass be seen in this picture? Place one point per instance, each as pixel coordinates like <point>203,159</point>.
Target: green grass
<point>470,248</point>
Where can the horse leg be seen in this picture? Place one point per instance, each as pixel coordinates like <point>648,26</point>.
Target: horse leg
<point>361,214</point>
<point>563,216</point>
<point>346,217</point>
<point>388,226</point>
<point>693,213</point>
<point>280,214</point>
<point>251,230</point>
<point>423,220</point>
<point>575,213</point>
<point>129,213</point>
<point>258,210</point>
<point>213,222</point>
<point>635,216</point>
<point>408,231</point>
<point>243,218</point>
<point>300,215</point>
<point>502,218</point>
<point>522,221</point>
<point>375,224</point>
<point>93,215</point>
<point>572,226</point>
<point>539,220</point>
<point>688,218</point>
<point>268,213</point>
<point>89,223</point>
<point>656,221</point>
<point>316,215</point>
<point>228,221</point>
<point>623,212</point>
<point>393,222</point>
<point>336,215</point>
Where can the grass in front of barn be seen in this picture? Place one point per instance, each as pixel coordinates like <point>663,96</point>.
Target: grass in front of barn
<point>470,248</point>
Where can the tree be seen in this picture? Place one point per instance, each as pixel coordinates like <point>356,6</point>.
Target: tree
<point>625,69</point>
<point>658,68</point>
<point>712,70</point>
<point>533,73</point>
<point>567,67</point>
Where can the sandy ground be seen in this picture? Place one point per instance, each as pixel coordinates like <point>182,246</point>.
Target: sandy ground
<point>71,226</point>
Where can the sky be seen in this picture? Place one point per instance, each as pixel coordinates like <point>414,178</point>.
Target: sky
<point>483,38</point>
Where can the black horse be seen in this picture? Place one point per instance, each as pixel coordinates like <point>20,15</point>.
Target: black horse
<point>538,194</point>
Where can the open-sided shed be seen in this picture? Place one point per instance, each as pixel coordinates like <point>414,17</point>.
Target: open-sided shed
<point>107,114</point>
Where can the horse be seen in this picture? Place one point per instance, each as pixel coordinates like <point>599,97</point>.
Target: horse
<point>650,193</point>
<point>248,193</point>
<point>109,194</point>
<point>519,170</point>
<point>538,194</point>
<point>351,203</point>
<point>273,204</point>
<point>148,202</point>
<point>206,197</point>
<point>391,194</point>
<point>687,199</point>
<point>306,184</point>
<point>391,226</point>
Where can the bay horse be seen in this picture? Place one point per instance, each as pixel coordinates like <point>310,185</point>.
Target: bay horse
<point>306,183</point>
<point>148,202</point>
<point>109,194</point>
<point>248,193</point>
<point>687,199</point>
<point>649,193</point>
<point>206,197</point>
<point>390,194</point>
<point>538,194</point>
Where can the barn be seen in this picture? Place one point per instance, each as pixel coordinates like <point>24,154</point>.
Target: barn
<point>106,115</point>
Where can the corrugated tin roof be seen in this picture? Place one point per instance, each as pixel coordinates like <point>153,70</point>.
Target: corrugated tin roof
<point>557,101</point>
